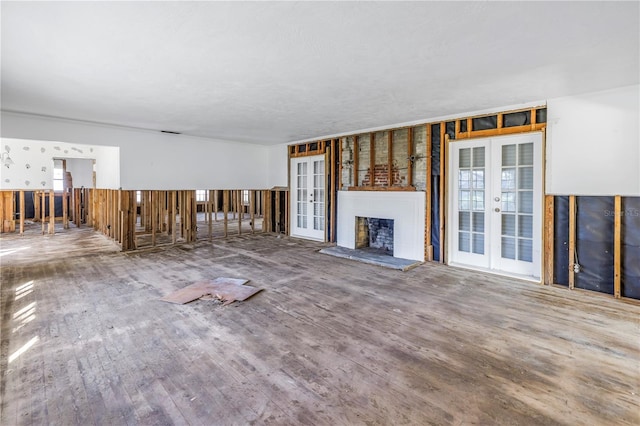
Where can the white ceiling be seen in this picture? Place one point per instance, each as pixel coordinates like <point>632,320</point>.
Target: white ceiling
<point>271,72</point>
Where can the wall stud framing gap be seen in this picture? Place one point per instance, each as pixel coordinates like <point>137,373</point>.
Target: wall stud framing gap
<point>444,138</point>
<point>174,216</point>
<point>335,175</point>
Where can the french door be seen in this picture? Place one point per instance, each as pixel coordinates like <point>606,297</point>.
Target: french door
<point>308,197</point>
<point>495,204</point>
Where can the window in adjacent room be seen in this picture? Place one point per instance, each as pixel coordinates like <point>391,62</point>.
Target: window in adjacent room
<point>202,195</point>
<point>58,175</point>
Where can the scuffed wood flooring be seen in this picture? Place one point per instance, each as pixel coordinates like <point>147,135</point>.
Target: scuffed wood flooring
<point>329,341</point>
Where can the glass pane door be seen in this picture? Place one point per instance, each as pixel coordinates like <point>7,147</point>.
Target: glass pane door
<point>471,193</point>
<point>517,204</point>
<point>308,197</point>
<point>516,185</point>
<point>495,195</point>
<point>318,195</point>
<point>302,194</point>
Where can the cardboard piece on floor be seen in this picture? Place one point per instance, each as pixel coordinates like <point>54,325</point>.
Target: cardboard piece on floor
<point>227,290</point>
<point>188,294</point>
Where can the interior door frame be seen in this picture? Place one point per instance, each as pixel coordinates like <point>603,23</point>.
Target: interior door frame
<point>451,233</point>
<point>294,195</point>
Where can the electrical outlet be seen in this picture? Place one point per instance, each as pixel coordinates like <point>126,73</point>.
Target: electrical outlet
<point>576,268</point>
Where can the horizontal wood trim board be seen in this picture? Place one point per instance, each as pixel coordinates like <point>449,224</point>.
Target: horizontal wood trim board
<point>502,131</point>
<point>381,188</point>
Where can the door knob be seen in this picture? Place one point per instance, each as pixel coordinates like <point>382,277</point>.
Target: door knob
<point>497,199</point>
<point>497,210</point>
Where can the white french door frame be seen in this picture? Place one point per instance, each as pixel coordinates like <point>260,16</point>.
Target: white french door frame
<point>491,260</point>
<point>308,197</point>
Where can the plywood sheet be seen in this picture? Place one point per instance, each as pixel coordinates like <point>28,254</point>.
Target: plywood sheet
<point>188,294</point>
<point>225,289</point>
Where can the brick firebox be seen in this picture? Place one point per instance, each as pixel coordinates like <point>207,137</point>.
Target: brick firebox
<point>374,233</point>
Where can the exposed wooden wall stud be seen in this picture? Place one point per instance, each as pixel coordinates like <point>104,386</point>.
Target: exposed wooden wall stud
<point>572,240</point>
<point>617,247</point>
<point>548,239</point>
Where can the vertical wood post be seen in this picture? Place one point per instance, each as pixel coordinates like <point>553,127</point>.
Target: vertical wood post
<point>225,211</point>
<point>338,145</point>
<point>266,222</point>
<point>285,194</point>
<point>572,240</point>
<point>617,247</point>
<point>65,206</point>
<point>277,212</point>
<point>210,213</point>
<point>548,239</point>
<point>356,159</point>
<point>409,154</point>
<point>239,207</point>
<point>77,216</point>
<point>154,216</point>
<point>252,206</point>
<point>52,212</point>
<point>194,216</point>
<point>174,217</point>
<point>22,213</point>
<point>372,159</point>
<point>389,157</point>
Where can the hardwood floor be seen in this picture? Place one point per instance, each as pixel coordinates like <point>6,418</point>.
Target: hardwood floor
<point>85,340</point>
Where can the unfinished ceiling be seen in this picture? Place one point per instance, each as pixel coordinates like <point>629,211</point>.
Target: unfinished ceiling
<point>267,72</point>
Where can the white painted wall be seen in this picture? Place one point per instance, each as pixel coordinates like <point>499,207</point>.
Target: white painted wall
<point>405,208</point>
<point>593,143</point>
<point>81,172</point>
<point>154,160</point>
<point>33,163</point>
<point>278,165</point>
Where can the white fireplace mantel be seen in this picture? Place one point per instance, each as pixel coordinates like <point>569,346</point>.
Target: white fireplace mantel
<point>407,209</point>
